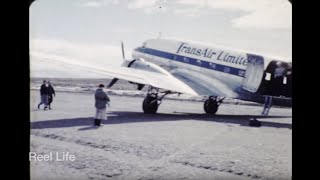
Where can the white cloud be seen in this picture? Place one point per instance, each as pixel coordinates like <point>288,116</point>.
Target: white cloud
<point>269,16</point>
<point>148,6</point>
<point>191,12</point>
<point>260,13</point>
<point>91,4</point>
<point>97,3</point>
<point>244,5</point>
<point>138,4</point>
<point>122,29</point>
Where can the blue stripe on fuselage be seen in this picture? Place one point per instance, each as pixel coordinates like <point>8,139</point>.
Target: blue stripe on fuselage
<point>192,61</point>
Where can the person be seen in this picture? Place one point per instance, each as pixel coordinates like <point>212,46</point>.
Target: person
<point>44,91</point>
<point>50,93</point>
<point>267,105</point>
<point>278,79</point>
<point>288,86</point>
<point>101,100</point>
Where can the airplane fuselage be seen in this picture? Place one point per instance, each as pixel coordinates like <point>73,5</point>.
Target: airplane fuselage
<point>236,74</point>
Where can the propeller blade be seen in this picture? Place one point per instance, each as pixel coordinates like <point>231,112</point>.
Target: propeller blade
<point>114,80</point>
<point>122,47</point>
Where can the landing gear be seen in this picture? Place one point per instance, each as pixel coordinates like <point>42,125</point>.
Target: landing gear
<point>211,105</point>
<point>150,105</point>
<point>152,101</point>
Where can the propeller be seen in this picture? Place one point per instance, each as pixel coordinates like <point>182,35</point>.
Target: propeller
<point>114,80</point>
<point>122,47</point>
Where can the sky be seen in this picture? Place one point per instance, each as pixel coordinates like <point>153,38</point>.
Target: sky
<point>90,31</point>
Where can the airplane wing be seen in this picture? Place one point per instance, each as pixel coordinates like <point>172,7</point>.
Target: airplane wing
<point>148,78</point>
<point>154,79</point>
<point>157,80</point>
<point>181,81</point>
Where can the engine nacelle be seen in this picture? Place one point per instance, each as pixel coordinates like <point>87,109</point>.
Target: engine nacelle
<point>147,66</point>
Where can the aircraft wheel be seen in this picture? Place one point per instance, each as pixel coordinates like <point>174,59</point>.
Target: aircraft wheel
<point>149,107</point>
<point>210,106</point>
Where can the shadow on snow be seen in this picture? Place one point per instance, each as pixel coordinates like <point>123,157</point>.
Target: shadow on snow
<point>119,117</point>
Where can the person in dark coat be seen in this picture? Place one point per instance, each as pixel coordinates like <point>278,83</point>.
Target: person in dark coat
<point>277,81</point>
<point>44,93</point>
<point>101,100</point>
<point>288,90</point>
<point>50,93</point>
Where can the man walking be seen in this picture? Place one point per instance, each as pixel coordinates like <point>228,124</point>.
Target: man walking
<point>50,93</point>
<point>101,99</point>
<point>44,91</point>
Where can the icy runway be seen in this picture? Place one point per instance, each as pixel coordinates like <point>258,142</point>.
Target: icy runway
<point>180,142</point>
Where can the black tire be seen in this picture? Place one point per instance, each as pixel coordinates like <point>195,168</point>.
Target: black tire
<point>148,107</point>
<point>210,106</point>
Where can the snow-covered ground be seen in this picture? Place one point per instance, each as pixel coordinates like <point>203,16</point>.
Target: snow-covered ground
<point>179,142</point>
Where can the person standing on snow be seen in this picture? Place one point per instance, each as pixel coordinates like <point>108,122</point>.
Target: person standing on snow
<point>50,93</point>
<point>101,100</point>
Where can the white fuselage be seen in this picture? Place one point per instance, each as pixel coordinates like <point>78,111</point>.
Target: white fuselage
<point>212,66</point>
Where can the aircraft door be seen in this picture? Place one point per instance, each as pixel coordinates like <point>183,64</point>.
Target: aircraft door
<point>254,73</point>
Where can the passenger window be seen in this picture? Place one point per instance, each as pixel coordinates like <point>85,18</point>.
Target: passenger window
<point>241,73</point>
<point>226,69</point>
<point>213,66</point>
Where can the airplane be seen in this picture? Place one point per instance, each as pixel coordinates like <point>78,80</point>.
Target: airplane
<point>201,70</point>
<point>168,66</point>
